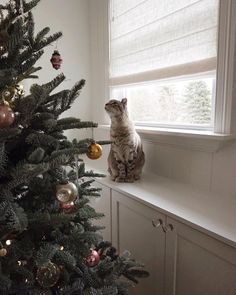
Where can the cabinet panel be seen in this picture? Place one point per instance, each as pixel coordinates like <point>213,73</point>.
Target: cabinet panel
<point>132,230</point>
<point>198,264</point>
<point>103,205</point>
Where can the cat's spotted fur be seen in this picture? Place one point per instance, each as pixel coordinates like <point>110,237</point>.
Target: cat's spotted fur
<point>126,157</point>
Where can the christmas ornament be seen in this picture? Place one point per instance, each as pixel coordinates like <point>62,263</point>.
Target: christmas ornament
<point>9,93</point>
<point>3,252</point>
<point>92,259</point>
<point>48,275</point>
<point>56,60</point>
<point>66,193</point>
<point>6,115</point>
<point>66,207</point>
<point>94,151</point>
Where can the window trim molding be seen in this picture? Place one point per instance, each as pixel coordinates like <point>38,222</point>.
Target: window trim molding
<point>225,62</point>
<point>222,112</point>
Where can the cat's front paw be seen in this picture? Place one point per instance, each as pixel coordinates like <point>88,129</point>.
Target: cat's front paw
<point>119,179</point>
<point>129,179</point>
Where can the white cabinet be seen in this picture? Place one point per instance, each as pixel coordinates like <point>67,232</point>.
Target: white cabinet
<point>181,260</point>
<point>103,205</point>
<point>198,264</point>
<point>135,228</point>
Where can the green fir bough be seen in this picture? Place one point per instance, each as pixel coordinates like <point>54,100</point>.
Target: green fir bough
<point>35,156</point>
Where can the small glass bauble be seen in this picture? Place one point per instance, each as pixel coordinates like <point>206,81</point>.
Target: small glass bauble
<point>48,275</point>
<point>66,207</point>
<point>94,151</point>
<point>66,193</point>
<point>92,259</point>
<point>56,60</point>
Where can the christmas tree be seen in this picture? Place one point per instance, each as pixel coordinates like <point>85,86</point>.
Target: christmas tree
<point>48,243</point>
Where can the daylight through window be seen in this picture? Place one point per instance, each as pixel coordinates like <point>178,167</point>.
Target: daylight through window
<point>163,59</point>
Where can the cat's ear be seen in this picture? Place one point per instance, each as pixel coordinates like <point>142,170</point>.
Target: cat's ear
<point>124,101</point>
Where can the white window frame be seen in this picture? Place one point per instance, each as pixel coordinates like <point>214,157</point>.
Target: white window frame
<point>99,21</point>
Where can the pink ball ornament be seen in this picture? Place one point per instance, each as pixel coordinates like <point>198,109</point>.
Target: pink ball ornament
<point>92,259</point>
<point>66,207</point>
<point>6,115</point>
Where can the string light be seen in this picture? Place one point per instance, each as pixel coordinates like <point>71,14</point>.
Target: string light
<point>8,242</point>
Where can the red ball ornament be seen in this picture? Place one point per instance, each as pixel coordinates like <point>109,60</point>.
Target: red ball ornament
<point>66,207</point>
<point>6,115</point>
<point>56,60</point>
<point>92,259</point>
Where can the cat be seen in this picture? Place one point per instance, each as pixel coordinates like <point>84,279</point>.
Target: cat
<point>126,157</point>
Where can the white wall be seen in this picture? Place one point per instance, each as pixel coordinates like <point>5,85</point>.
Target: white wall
<point>70,17</point>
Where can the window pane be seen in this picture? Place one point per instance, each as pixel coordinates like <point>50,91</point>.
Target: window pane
<point>178,103</point>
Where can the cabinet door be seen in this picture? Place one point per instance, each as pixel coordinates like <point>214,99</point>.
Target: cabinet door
<point>134,228</point>
<point>103,205</point>
<point>198,264</point>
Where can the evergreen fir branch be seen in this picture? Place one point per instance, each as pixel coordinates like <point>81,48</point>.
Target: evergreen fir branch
<point>103,142</point>
<point>50,86</point>
<point>41,34</point>
<point>68,120</point>
<point>5,284</point>
<point>36,156</point>
<point>27,6</point>
<point>30,62</point>
<point>78,125</point>
<point>16,38</point>
<point>63,257</point>
<point>8,133</point>
<point>25,175</point>
<point>75,91</point>
<point>42,140</point>
<point>45,254</point>
<point>31,28</point>
<point>87,183</point>
<point>24,274</point>
<point>3,157</point>
<point>48,40</point>
<point>93,174</point>
<point>46,219</point>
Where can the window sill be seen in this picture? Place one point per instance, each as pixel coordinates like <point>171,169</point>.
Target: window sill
<point>189,139</point>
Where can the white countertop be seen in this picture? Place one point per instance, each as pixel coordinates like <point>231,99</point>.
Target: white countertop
<point>206,211</point>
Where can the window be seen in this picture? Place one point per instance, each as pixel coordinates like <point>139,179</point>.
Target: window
<point>163,58</point>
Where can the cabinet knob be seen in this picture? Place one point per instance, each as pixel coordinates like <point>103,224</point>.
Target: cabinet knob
<point>168,227</point>
<point>157,222</point>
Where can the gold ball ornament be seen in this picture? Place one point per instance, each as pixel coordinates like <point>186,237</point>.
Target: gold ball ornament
<point>94,151</point>
<point>66,193</point>
<point>48,275</point>
<point>3,252</point>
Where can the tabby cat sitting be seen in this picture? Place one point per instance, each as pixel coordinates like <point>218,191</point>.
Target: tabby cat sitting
<point>126,157</point>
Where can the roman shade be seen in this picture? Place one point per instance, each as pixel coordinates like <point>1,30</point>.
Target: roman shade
<point>156,39</point>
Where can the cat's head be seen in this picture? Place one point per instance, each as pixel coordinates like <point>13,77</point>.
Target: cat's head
<point>116,108</point>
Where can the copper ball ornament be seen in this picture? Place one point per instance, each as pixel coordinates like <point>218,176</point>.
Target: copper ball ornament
<point>92,259</point>
<point>94,151</point>
<point>3,252</point>
<point>6,115</point>
<point>56,60</point>
<point>48,275</point>
<point>66,193</point>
